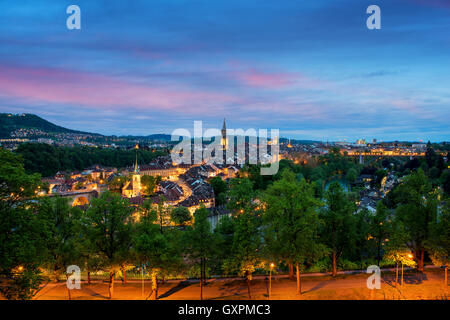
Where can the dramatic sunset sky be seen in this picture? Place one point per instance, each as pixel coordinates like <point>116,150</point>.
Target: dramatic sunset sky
<point>309,68</point>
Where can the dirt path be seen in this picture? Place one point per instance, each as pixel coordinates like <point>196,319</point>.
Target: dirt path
<point>345,286</point>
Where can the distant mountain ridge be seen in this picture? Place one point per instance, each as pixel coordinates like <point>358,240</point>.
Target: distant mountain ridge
<point>10,122</point>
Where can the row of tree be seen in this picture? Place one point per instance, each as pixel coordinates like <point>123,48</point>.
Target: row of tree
<point>47,159</point>
<point>287,224</point>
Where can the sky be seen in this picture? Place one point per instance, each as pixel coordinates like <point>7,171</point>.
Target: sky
<point>311,69</point>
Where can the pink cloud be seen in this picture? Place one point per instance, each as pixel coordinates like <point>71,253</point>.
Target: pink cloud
<point>274,80</point>
<point>410,107</point>
<point>256,78</point>
<point>60,86</point>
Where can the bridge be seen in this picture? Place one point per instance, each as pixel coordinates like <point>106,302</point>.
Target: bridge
<point>79,198</point>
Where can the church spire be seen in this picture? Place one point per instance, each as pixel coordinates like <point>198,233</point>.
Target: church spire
<point>136,167</point>
<point>224,140</point>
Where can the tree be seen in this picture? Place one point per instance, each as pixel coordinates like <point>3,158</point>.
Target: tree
<point>116,184</point>
<point>223,235</point>
<point>22,231</point>
<point>351,175</point>
<point>338,231</point>
<point>241,196</point>
<point>154,249</point>
<point>220,188</point>
<point>396,249</point>
<point>63,233</point>
<point>246,244</point>
<point>163,213</point>
<point>445,181</point>
<point>149,184</point>
<point>246,238</point>
<point>181,216</point>
<point>291,223</point>
<point>417,207</point>
<point>109,230</point>
<point>380,228</point>
<point>439,243</point>
<point>200,243</point>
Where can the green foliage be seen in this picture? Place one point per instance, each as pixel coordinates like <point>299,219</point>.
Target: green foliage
<point>380,228</point>
<point>63,230</point>
<point>109,229</point>
<point>117,183</point>
<point>291,222</point>
<point>223,235</point>
<point>47,160</point>
<point>351,175</point>
<point>339,229</point>
<point>439,242</point>
<point>245,255</point>
<point>445,181</point>
<point>396,249</point>
<point>180,216</point>
<point>416,209</point>
<point>159,251</point>
<point>240,195</point>
<point>220,189</point>
<point>200,241</point>
<point>22,235</point>
<point>149,183</point>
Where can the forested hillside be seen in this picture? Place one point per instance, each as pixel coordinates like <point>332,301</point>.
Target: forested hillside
<point>47,160</point>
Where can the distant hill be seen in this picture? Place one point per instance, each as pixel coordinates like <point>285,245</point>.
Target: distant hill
<point>160,137</point>
<point>152,137</point>
<point>295,141</point>
<point>10,122</point>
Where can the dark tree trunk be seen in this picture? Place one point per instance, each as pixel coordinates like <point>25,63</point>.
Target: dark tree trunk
<point>445,279</point>
<point>248,284</point>
<point>420,256</point>
<point>154,293</point>
<point>291,272</point>
<point>379,251</point>
<point>124,275</point>
<point>89,277</point>
<point>201,279</point>
<point>68,290</point>
<point>111,285</point>
<point>204,271</point>
<point>396,275</point>
<point>299,284</point>
<point>334,264</point>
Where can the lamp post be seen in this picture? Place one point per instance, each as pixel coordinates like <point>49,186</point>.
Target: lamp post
<point>270,278</point>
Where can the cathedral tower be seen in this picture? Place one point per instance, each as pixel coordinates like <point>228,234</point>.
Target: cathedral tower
<point>224,140</point>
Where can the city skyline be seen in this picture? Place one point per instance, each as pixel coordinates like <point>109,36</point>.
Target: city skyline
<point>312,70</point>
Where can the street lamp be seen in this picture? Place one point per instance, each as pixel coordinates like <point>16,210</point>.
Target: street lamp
<point>272,265</point>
